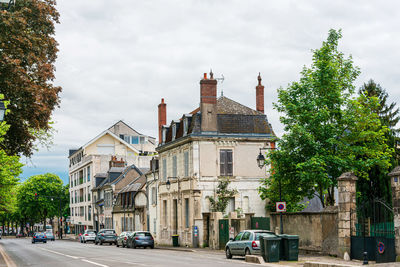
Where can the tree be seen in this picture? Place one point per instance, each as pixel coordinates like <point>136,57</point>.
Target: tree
<point>10,169</point>
<point>378,184</point>
<point>37,197</point>
<point>28,51</point>
<point>328,131</point>
<point>223,193</point>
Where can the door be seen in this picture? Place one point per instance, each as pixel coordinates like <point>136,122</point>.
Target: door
<point>242,244</point>
<point>223,233</point>
<point>234,246</point>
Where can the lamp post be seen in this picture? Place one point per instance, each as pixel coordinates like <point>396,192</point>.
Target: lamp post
<point>261,164</point>
<point>6,4</point>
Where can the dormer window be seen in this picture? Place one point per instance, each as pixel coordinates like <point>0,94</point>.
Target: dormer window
<point>173,131</point>
<point>164,134</point>
<point>185,126</point>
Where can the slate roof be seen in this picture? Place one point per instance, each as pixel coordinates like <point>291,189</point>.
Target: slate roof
<point>232,118</point>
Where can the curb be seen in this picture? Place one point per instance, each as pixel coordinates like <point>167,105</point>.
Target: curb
<point>176,249</point>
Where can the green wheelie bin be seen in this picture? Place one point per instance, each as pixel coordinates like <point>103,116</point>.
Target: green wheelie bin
<point>175,240</point>
<point>271,248</point>
<point>289,247</point>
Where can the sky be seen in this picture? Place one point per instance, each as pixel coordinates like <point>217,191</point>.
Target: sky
<point>118,58</point>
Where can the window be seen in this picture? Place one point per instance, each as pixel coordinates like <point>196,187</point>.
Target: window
<point>231,205</point>
<point>246,236</point>
<point>225,162</point>
<point>186,162</point>
<point>88,173</point>
<point>187,212</point>
<point>174,167</point>
<point>164,134</point>
<point>88,193</point>
<point>185,126</point>
<point>239,236</point>
<point>173,131</point>
<point>127,138</point>
<point>164,171</point>
<point>135,140</point>
<point>89,213</point>
<point>143,139</point>
<point>153,196</point>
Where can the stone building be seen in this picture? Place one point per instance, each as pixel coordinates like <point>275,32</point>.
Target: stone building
<point>219,140</point>
<point>92,161</point>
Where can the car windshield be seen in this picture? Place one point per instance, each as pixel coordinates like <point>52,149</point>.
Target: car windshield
<point>258,234</point>
<point>90,232</point>
<point>109,232</point>
<point>143,234</point>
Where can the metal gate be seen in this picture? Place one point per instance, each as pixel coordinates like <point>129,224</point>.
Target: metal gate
<point>260,223</point>
<point>223,232</point>
<point>373,231</point>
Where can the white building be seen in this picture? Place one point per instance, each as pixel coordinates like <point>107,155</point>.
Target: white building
<point>93,158</point>
<point>219,140</point>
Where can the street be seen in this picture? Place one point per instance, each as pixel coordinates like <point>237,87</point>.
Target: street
<point>68,253</point>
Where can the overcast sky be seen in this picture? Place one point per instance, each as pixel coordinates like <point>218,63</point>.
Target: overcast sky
<point>118,58</point>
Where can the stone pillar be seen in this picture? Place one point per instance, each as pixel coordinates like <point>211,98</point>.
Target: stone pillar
<point>347,202</point>
<point>395,181</point>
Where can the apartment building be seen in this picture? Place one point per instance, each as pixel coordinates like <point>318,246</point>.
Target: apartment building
<point>92,160</point>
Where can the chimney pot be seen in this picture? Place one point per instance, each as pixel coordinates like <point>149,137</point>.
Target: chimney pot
<point>205,76</point>
<point>162,118</point>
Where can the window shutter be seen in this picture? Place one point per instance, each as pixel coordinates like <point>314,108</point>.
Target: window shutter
<point>186,164</point>
<point>222,162</point>
<point>229,163</point>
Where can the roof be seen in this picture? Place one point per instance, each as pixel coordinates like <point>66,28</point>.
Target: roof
<point>135,185</point>
<point>232,118</point>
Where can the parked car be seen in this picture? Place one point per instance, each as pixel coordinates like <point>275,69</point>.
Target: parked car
<point>122,239</point>
<point>88,235</point>
<point>106,236</point>
<point>50,236</point>
<point>39,237</point>
<point>1,233</point>
<point>246,242</point>
<point>140,239</point>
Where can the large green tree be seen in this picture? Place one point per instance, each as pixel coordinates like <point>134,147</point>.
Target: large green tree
<point>378,185</point>
<point>327,131</point>
<point>48,188</point>
<point>10,169</point>
<point>28,51</point>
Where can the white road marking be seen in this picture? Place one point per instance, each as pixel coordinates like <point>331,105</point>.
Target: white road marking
<point>59,253</point>
<point>95,263</point>
<point>9,262</point>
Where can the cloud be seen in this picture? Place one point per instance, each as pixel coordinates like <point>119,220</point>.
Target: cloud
<point>118,59</point>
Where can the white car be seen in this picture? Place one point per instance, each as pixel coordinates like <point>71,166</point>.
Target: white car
<point>89,235</point>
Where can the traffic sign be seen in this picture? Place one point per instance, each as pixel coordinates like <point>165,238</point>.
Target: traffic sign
<point>280,206</point>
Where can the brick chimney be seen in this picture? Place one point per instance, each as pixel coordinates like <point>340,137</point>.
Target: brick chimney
<point>260,95</point>
<point>162,118</point>
<point>208,103</point>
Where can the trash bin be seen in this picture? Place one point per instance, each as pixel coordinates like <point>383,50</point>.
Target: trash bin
<point>290,247</point>
<point>271,248</point>
<point>175,240</point>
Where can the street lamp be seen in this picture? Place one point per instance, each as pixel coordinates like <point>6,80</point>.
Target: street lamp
<point>261,163</point>
<point>168,184</point>
<point>6,4</point>
<point>2,109</point>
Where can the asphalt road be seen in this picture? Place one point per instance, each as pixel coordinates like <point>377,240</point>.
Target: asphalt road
<point>21,252</point>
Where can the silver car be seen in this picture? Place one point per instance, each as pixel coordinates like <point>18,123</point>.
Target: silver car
<point>89,235</point>
<point>246,242</point>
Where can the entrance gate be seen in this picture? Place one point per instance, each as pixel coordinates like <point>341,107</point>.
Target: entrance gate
<point>260,223</point>
<point>373,232</point>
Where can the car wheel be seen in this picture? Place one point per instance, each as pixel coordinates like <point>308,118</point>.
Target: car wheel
<point>117,245</point>
<point>84,241</point>
<point>33,242</point>
<point>134,245</point>
<point>45,242</point>
<point>247,252</point>
<point>228,253</point>
<point>152,247</point>
<point>81,241</point>
<point>101,243</point>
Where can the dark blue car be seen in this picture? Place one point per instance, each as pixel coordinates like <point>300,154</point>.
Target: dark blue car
<point>141,239</point>
<point>39,237</point>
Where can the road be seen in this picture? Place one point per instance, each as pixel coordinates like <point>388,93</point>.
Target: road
<point>61,253</point>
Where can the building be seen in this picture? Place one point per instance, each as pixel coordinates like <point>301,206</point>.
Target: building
<point>217,141</point>
<point>129,211</point>
<point>152,183</point>
<point>91,162</point>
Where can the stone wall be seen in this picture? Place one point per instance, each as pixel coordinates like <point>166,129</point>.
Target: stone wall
<point>317,231</point>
